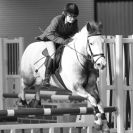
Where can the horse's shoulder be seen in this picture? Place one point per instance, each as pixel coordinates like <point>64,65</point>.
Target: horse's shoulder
<point>76,36</point>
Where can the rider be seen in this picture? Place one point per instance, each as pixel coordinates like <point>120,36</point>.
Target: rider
<point>59,32</point>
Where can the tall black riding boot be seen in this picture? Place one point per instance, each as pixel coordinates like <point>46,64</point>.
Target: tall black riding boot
<point>48,71</point>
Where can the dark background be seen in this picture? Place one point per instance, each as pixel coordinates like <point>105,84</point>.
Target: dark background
<point>22,18</point>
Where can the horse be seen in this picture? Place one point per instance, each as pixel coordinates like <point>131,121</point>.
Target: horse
<point>81,60</point>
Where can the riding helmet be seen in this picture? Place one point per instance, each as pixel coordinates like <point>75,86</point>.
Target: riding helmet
<point>71,8</point>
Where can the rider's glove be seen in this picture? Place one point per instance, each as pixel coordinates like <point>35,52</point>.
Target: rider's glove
<point>68,40</point>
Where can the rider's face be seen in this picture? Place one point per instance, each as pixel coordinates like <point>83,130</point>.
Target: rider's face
<point>70,18</point>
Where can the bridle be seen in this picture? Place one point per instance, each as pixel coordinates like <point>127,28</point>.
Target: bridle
<point>89,58</point>
<point>94,55</point>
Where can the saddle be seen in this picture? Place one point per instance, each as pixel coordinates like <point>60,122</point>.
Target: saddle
<point>56,63</point>
<point>58,53</point>
<point>57,59</point>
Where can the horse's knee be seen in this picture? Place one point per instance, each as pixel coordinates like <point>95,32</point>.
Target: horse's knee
<point>96,97</point>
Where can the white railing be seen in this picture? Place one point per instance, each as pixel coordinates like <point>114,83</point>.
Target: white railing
<point>10,51</point>
<point>116,79</point>
<point>50,126</point>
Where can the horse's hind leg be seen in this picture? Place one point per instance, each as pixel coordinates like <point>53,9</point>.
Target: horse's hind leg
<point>36,102</point>
<point>94,98</point>
<point>21,95</point>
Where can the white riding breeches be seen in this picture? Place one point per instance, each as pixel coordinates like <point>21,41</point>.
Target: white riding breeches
<point>51,48</point>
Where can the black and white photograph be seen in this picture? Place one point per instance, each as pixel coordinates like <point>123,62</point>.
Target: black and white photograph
<point>66,66</point>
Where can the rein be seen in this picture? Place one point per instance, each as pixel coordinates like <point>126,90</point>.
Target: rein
<point>95,55</point>
<point>90,58</point>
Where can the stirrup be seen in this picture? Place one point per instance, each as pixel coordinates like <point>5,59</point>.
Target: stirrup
<point>45,82</point>
<point>97,127</point>
<point>21,102</point>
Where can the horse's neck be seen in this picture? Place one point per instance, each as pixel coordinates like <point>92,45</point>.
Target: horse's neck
<point>73,57</point>
<point>73,62</point>
<point>80,45</point>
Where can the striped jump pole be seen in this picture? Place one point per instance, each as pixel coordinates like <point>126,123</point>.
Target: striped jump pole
<point>50,89</point>
<point>49,92</point>
<point>47,96</point>
<point>49,111</point>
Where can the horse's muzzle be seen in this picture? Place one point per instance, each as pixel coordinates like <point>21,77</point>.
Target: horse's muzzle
<point>100,64</point>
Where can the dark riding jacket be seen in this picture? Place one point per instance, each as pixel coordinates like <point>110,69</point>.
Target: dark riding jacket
<point>58,31</point>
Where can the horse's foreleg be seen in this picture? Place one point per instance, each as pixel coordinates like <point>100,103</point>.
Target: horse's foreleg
<point>22,94</point>
<point>98,110</point>
<point>94,99</point>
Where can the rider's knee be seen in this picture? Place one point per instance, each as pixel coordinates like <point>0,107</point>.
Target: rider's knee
<point>51,48</point>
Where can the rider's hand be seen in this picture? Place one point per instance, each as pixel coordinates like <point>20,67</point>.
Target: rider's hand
<point>68,41</point>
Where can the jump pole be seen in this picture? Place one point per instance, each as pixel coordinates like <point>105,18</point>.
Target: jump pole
<point>47,96</point>
<point>49,111</point>
<point>44,89</point>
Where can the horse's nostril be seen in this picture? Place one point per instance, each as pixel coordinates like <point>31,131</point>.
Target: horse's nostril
<point>98,64</point>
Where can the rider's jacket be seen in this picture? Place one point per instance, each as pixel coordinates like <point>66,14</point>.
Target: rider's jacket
<point>58,31</point>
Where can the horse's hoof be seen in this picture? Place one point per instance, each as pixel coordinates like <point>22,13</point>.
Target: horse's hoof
<point>105,128</point>
<point>21,102</point>
<point>97,127</point>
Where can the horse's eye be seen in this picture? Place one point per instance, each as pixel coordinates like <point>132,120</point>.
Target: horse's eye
<point>91,43</point>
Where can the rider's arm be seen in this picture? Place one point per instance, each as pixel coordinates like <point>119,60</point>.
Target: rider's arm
<point>51,33</point>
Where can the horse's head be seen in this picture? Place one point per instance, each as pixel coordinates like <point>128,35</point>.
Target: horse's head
<point>95,44</point>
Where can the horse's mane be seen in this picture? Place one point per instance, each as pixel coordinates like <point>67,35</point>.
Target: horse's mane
<point>91,27</point>
<point>94,27</point>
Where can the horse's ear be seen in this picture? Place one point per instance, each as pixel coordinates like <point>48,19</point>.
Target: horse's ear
<point>89,29</point>
<point>94,27</point>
